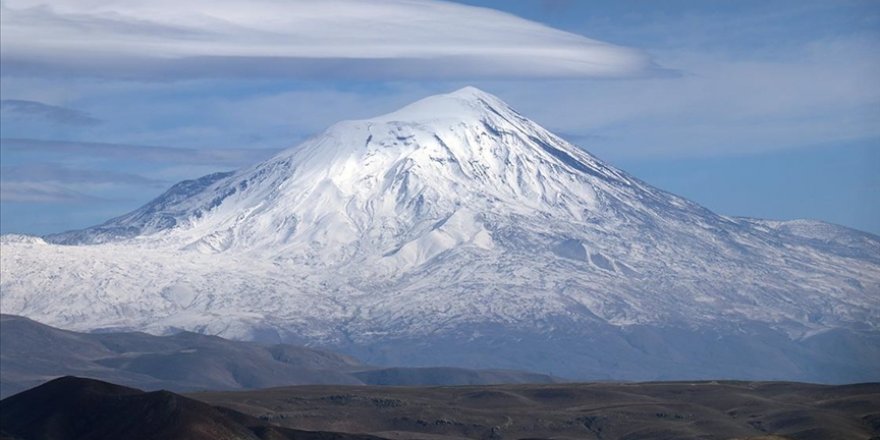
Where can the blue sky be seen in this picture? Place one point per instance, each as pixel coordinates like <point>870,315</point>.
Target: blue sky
<point>767,109</point>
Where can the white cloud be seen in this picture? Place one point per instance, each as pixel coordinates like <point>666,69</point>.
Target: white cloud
<point>40,192</point>
<point>824,92</point>
<point>219,157</point>
<point>304,38</point>
<point>24,109</point>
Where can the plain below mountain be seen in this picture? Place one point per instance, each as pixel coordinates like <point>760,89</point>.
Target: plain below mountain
<point>707,410</point>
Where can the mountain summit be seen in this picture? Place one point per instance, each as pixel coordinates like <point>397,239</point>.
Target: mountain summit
<point>385,186</point>
<point>455,225</point>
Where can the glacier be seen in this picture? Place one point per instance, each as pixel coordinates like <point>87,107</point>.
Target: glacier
<point>455,231</point>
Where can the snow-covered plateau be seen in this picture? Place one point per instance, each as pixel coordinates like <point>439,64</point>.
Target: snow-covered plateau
<point>455,231</point>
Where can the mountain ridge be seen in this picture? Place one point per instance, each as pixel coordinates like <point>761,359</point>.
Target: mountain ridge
<point>33,353</point>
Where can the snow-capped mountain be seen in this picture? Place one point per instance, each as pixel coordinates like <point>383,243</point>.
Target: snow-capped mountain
<point>456,231</point>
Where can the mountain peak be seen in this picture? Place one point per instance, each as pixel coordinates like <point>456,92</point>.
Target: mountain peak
<point>457,222</point>
<point>473,93</point>
<point>467,103</point>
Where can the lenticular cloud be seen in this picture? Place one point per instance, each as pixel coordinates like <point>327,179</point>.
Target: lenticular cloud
<point>387,38</point>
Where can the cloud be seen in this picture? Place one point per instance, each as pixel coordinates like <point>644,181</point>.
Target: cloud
<point>50,173</point>
<point>304,39</point>
<point>47,183</point>
<point>41,192</point>
<point>822,92</point>
<point>19,108</point>
<point>125,152</point>
<point>72,172</point>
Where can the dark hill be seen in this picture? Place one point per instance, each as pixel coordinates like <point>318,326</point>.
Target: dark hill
<point>71,408</point>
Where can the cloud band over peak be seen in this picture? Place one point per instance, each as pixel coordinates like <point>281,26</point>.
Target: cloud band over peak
<point>303,38</point>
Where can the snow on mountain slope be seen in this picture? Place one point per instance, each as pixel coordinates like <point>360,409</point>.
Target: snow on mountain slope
<point>439,221</point>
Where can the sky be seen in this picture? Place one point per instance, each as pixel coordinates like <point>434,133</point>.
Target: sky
<point>766,109</point>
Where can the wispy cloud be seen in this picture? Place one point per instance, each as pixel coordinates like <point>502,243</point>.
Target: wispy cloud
<point>19,108</point>
<point>41,192</point>
<point>821,92</point>
<point>219,157</point>
<point>39,172</point>
<point>47,183</point>
<point>328,38</point>
<point>52,173</point>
